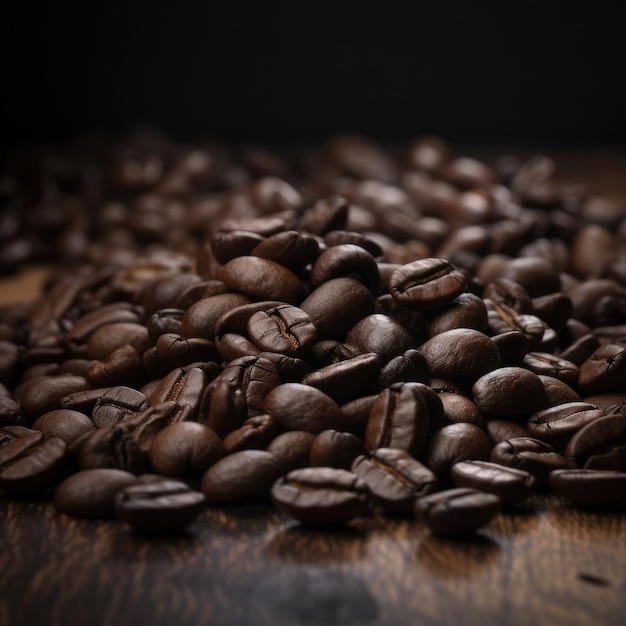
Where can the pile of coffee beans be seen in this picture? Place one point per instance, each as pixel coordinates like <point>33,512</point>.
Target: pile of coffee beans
<point>343,330</point>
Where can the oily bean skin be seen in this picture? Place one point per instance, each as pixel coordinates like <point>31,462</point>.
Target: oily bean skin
<point>394,478</point>
<point>321,496</point>
<point>158,506</point>
<point>509,484</point>
<point>531,455</point>
<point>426,284</point>
<point>301,407</point>
<point>382,335</point>
<point>398,419</point>
<point>587,487</point>
<point>509,392</point>
<point>457,511</point>
<point>241,475</point>
<point>292,449</point>
<point>91,493</point>
<point>455,443</point>
<point>465,311</point>
<point>346,260</point>
<point>185,448</point>
<point>600,445</point>
<point>460,355</point>
<point>65,424</point>
<point>31,463</point>
<point>332,448</point>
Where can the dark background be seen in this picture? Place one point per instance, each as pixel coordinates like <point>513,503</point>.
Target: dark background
<point>492,72</point>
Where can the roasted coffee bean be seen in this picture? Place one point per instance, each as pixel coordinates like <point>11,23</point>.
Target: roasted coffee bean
<point>123,365</point>
<point>600,444</point>
<point>394,478</point>
<point>31,463</point>
<point>557,392</point>
<point>259,278</point>
<point>346,260</point>
<point>292,449</point>
<point>229,244</point>
<point>254,434</point>
<point>64,424</point>
<point>337,305</point>
<point>549,365</point>
<point>411,366</point>
<point>558,424</point>
<point>301,407</point>
<point>538,276</point>
<point>426,284</point>
<point>512,345</point>
<point>186,388</point>
<point>531,455</point>
<point>111,447</point>
<point>116,405</point>
<point>241,475</point>
<point>462,355</point>
<point>503,319</point>
<point>194,293</point>
<point>605,370</point>
<point>177,351</point>
<point>9,411</point>
<point>455,443</point>
<point>589,487</point>
<point>458,408</point>
<point>232,346</point>
<point>200,319</point>
<point>290,249</point>
<point>326,215</point>
<point>284,329</point>
<point>511,485</point>
<point>159,506</point>
<point>380,334</point>
<point>457,511</point>
<point>609,402</point>
<point>321,496</point>
<point>501,430</point>
<point>91,493</point>
<point>554,309</point>
<point>510,392</point>
<point>164,321</point>
<point>398,419</point>
<point>185,448</point>
<point>42,395</point>
<point>356,413</point>
<point>465,311</point>
<point>332,448</point>
<point>467,173</point>
<point>341,237</point>
<point>163,292</point>
<point>345,380</point>
<point>511,294</point>
<point>581,349</point>
<point>109,337</point>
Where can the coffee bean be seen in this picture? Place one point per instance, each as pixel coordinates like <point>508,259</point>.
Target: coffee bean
<point>501,430</point>
<point>394,478</point>
<point>292,448</point>
<point>411,366</point>
<point>200,319</point>
<point>91,493</point>
<point>241,475</point>
<point>346,260</point>
<point>31,463</point>
<point>605,370</point>
<point>589,487</point>
<point>457,511</point>
<point>601,444</point>
<point>290,249</point>
<point>321,496</point>
<point>426,284</point>
<point>557,392</point>
<point>159,506</point>
<point>186,388</point>
<point>550,365</point>
<point>465,311</point>
<point>64,424</point>
<point>511,485</point>
<point>332,448</point>
<point>325,215</point>
<point>380,334</point>
<point>255,433</point>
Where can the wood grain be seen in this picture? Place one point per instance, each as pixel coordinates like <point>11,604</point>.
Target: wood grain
<point>545,563</point>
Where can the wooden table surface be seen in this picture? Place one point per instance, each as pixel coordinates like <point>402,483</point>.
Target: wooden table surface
<point>544,563</point>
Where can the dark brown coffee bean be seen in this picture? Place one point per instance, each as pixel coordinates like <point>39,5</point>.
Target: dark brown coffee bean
<point>194,293</point>
<point>64,424</point>
<point>467,173</point>
<point>254,434</point>
<point>284,329</point>
<point>345,380</point>
<point>548,364</point>
<point>262,279</point>
<point>554,309</point>
<point>465,311</point>
<point>462,355</point>
<point>558,424</point>
<point>503,319</point>
<point>531,455</point>
<point>91,493</point>
<point>394,478</point>
<point>589,487</point>
<point>159,506</point>
<point>426,284</point>
<point>163,292</point>
<point>380,334</point>
<point>346,260</point>
<point>411,366</point>
<point>512,345</point>
<point>398,419</point>
<point>581,349</point>
<point>511,294</point>
<point>228,244</point>
<point>604,371</point>
<point>458,408</point>
<point>290,249</point>
<point>321,496</point>
<point>600,444</point>
<point>609,402</point>
<point>292,449</point>
<point>301,407</point>
<point>332,448</point>
<point>164,321</point>
<point>123,366</point>
<point>116,405</point>
<point>177,351</point>
<point>186,388</point>
<point>341,237</point>
<point>501,430</point>
<point>538,276</point>
<point>337,305</point>
<point>111,447</point>
<point>356,414</point>
<point>9,411</point>
<point>185,448</point>
<point>557,392</point>
<point>509,484</point>
<point>200,319</point>
<point>427,153</point>
<point>40,396</point>
<point>455,443</point>
<point>457,511</point>
<point>109,337</point>
<point>326,215</point>
<point>509,392</point>
<point>241,475</point>
<point>31,463</point>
